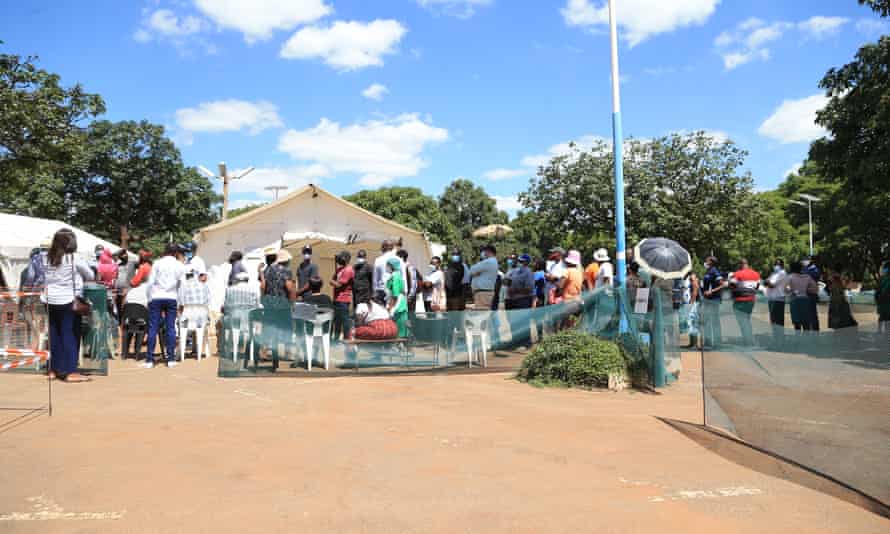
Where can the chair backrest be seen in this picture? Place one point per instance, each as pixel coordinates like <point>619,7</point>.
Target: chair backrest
<point>305,312</point>
<point>477,321</point>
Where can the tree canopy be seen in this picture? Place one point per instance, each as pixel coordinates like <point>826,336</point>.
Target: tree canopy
<point>408,206</point>
<point>469,207</point>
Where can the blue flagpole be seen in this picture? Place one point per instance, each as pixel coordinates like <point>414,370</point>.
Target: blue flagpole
<point>618,147</point>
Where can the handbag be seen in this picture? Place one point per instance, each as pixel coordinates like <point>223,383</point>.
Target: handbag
<point>80,306</point>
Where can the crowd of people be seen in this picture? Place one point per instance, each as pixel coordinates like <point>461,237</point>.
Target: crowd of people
<point>378,299</point>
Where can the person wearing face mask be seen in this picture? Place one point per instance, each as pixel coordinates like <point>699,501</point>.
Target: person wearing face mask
<point>554,273</point>
<point>744,282</point>
<point>342,282</point>
<point>483,278</point>
<point>363,279</point>
<point>192,259</point>
<point>387,252</point>
<point>520,283</point>
<point>305,272</point>
<point>397,303</point>
<point>713,284</point>
<point>434,287</point>
<point>776,292</point>
<point>882,299</point>
<point>454,282</point>
<point>810,268</point>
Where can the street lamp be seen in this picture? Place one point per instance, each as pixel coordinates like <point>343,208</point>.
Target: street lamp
<point>809,204</point>
<point>226,178</point>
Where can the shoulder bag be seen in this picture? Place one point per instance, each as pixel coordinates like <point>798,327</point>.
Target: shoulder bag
<point>80,306</point>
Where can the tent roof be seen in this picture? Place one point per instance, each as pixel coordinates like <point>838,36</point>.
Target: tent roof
<point>21,234</point>
<point>310,188</point>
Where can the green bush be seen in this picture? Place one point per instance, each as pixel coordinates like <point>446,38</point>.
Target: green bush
<point>573,358</point>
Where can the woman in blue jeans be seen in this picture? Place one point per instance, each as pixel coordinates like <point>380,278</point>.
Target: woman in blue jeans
<point>65,275</point>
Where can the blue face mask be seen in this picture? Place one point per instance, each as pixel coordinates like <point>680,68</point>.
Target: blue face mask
<point>455,259</point>
<point>510,263</point>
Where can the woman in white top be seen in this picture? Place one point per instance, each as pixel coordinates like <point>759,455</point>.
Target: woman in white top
<point>65,275</point>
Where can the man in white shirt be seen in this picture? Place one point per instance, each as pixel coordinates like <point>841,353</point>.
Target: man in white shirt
<point>162,288</point>
<point>434,287</point>
<point>483,277</point>
<point>556,271</point>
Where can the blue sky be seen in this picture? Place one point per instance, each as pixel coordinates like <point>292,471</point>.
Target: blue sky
<point>353,94</point>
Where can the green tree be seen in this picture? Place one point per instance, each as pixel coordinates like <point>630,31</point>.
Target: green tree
<point>687,187</point>
<point>408,206</point>
<point>880,6</point>
<point>41,135</point>
<point>469,207</point>
<point>136,184</point>
<point>244,209</point>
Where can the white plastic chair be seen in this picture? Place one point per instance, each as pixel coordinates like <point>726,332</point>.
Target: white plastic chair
<point>476,327</point>
<point>191,321</point>
<point>310,314</point>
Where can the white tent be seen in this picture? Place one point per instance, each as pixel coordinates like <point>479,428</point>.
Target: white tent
<point>308,216</point>
<point>19,235</point>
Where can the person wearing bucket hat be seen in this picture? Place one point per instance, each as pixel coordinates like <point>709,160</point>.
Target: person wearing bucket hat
<point>573,281</point>
<point>397,301</point>
<point>606,273</point>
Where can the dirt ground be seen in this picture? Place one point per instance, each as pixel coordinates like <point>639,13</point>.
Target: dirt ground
<point>180,450</point>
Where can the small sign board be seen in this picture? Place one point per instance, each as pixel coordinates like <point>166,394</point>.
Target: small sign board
<point>641,301</point>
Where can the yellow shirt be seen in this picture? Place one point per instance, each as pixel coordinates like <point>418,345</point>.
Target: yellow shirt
<point>574,281</point>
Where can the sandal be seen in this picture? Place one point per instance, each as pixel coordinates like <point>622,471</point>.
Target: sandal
<point>73,378</point>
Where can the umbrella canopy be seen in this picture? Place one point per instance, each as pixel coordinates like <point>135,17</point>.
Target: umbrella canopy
<point>493,230</point>
<point>663,257</point>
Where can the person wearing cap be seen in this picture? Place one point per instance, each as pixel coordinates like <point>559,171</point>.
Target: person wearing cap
<point>271,258</point>
<point>192,258</point>
<point>810,267</point>
<point>454,282</point>
<point>520,282</point>
<point>483,278</point>
<point>162,289</point>
<point>605,275</point>
<point>306,270</point>
<point>397,303</point>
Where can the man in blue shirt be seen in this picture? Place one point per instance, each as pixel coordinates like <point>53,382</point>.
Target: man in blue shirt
<point>811,269</point>
<point>713,284</point>
<point>483,277</point>
<point>520,282</point>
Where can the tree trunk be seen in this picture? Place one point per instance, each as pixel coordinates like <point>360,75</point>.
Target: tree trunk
<point>125,236</point>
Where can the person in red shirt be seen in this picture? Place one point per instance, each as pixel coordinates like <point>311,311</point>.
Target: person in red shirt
<point>143,269</point>
<point>342,283</point>
<point>744,284</point>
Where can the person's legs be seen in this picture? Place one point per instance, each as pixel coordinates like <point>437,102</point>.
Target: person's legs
<point>169,307</point>
<point>743,311</point>
<point>154,324</point>
<point>814,313</point>
<point>61,318</point>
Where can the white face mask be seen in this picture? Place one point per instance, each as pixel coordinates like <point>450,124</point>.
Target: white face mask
<point>777,268</point>
<point>805,263</point>
<point>360,261</point>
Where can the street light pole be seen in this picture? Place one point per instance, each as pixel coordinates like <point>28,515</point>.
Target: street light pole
<point>618,147</point>
<point>809,204</point>
<point>226,178</point>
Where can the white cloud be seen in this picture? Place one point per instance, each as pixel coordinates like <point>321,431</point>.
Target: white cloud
<point>185,33</point>
<point>583,143</point>
<point>457,8</point>
<point>496,175</point>
<point>793,170</point>
<point>375,91</point>
<point>229,116</point>
<point>748,41</point>
<point>258,19</point>
<point>640,19</point>
<point>346,45</point>
<point>291,177</point>
<point>374,180</point>
<point>244,202</point>
<point>379,150</point>
<point>794,121</point>
<point>820,27</point>
<point>872,27</point>
<point>510,204</point>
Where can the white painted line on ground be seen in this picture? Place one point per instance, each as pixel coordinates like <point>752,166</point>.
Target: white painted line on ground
<point>45,509</point>
<point>253,394</point>
<point>719,493</point>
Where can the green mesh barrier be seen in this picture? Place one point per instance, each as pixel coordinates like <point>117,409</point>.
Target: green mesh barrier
<point>820,398</point>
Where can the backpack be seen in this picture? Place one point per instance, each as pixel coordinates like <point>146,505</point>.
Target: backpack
<point>35,274</point>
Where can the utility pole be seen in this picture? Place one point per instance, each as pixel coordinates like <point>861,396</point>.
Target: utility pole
<point>618,147</point>
<point>226,179</point>
<point>275,189</point>
<point>809,204</point>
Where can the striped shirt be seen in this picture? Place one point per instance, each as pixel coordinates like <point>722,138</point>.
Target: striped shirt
<point>241,295</point>
<point>193,292</point>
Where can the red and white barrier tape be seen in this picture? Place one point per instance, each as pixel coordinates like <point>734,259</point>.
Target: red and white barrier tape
<point>35,356</point>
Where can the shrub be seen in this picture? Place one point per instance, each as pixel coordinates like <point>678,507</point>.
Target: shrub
<point>573,358</point>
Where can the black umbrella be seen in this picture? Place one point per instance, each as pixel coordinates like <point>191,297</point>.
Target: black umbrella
<point>663,257</point>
